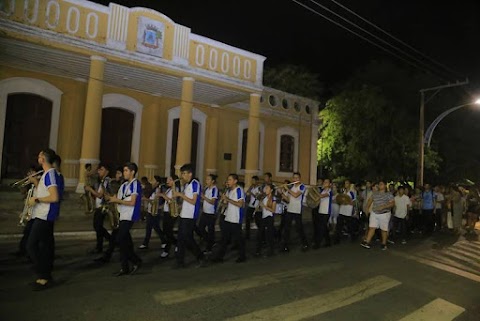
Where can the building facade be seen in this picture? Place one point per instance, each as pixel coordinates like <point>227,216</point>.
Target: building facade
<point>114,84</point>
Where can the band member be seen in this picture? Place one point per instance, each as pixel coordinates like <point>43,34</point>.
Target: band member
<point>117,181</point>
<point>147,190</point>
<point>281,198</point>
<point>253,193</point>
<point>129,202</point>
<point>232,226</point>
<point>208,217</point>
<point>345,215</point>
<point>294,212</point>
<point>90,179</point>
<point>321,218</point>
<point>46,208</point>
<point>100,213</point>
<point>173,184</point>
<point>153,219</point>
<point>268,206</point>
<point>188,216</point>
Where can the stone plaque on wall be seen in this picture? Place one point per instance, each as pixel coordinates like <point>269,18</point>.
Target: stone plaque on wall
<point>150,36</point>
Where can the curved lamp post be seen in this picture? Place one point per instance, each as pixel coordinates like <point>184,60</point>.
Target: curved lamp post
<point>428,134</point>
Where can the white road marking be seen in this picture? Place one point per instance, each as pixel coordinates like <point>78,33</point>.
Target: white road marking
<point>313,306</point>
<point>438,310</point>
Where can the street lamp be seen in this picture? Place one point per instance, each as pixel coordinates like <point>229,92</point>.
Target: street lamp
<point>429,132</point>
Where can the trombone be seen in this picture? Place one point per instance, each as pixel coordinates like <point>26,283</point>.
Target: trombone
<point>24,181</point>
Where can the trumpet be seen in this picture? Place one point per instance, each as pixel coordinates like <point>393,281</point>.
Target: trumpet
<point>24,181</point>
<point>285,185</point>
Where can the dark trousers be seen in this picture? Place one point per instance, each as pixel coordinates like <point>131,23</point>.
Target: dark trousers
<point>232,232</point>
<point>41,248</point>
<point>251,215</point>
<point>168,224</point>
<point>289,217</point>
<point>416,218</point>
<point>342,222</point>
<point>153,222</point>
<point>428,221</point>
<point>281,228</point>
<point>265,231</point>
<point>101,232</point>
<point>111,245</point>
<point>320,223</point>
<point>438,219</point>
<point>400,226</point>
<point>206,228</point>
<point>124,239</point>
<point>26,233</point>
<point>186,240</point>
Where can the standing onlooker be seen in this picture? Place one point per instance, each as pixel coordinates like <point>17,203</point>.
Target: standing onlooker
<point>457,209</point>
<point>402,206</point>
<point>428,209</point>
<point>439,208</point>
<point>473,209</point>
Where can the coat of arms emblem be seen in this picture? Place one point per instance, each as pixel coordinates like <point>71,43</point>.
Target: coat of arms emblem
<point>152,36</point>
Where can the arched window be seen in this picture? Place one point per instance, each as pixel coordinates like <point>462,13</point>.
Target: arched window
<point>242,146</point>
<point>287,151</point>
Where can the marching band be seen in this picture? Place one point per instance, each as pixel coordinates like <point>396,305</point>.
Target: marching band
<point>124,200</point>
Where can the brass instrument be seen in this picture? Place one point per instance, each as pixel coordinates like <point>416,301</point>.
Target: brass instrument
<point>155,203</point>
<point>25,181</point>
<point>26,214</point>
<point>222,206</point>
<point>174,207</point>
<point>343,199</point>
<point>110,209</point>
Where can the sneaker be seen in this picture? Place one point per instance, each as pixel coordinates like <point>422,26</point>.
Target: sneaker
<point>135,268</point>
<point>404,242</point>
<point>365,245</point>
<point>164,255</point>
<point>164,245</point>
<point>390,242</point>
<point>305,248</point>
<point>176,249</point>
<point>384,247</point>
<point>286,249</point>
<point>143,247</point>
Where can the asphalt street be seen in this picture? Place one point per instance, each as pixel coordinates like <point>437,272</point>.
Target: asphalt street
<point>427,279</point>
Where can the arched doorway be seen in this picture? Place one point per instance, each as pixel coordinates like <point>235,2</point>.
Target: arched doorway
<point>193,148</point>
<point>27,131</point>
<point>116,136</point>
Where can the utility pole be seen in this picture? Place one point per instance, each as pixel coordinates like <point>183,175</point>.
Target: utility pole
<point>421,127</point>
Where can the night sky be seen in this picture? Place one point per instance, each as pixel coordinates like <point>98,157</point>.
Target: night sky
<point>285,32</point>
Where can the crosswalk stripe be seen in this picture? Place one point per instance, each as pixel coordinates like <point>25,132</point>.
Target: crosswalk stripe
<point>462,257</point>
<point>441,266</point>
<point>187,294</point>
<point>466,253</point>
<point>473,245</point>
<point>313,306</point>
<point>437,257</point>
<point>438,310</point>
<point>468,249</point>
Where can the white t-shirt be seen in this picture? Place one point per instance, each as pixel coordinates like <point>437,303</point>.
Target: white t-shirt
<point>168,194</point>
<point>401,206</point>
<point>295,203</point>
<point>233,213</point>
<point>347,210</point>
<point>189,210</point>
<point>210,193</point>
<point>152,198</point>
<point>253,203</point>
<point>326,202</point>
<point>130,213</point>
<point>440,198</point>
<point>99,200</point>
<point>46,211</point>
<point>265,212</point>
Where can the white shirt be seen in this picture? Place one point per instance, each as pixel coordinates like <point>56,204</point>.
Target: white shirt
<point>125,192</point>
<point>401,206</point>
<point>46,211</point>
<point>191,210</point>
<point>295,203</point>
<point>168,194</point>
<point>104,183</point>
<point>347,210</point>
<point>326,202</point>
<point>440,198</point>
<point>210,194</point>
<point>253,201</point>
<point>265,212</point>
<point>233,213</point>
<point>152,198</point>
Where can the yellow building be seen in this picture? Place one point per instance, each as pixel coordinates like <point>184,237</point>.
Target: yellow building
<point>117,84</point>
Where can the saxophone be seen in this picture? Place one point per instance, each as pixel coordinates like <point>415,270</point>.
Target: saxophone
<point>26,214</point>
<point>110,209</point>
